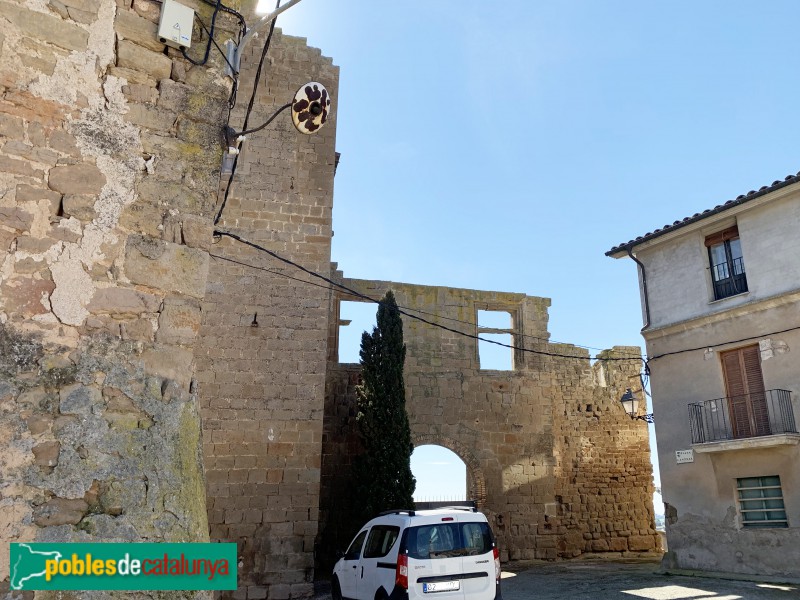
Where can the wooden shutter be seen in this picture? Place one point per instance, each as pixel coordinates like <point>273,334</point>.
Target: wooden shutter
<point>744,384</point>
<point>736,391</point>
<point>722,236</point>
<point>751,358</point>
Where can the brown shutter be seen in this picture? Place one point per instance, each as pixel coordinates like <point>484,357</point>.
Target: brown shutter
<point>736,392</point>
<point>726,234</point>
<point>751,358</point>
<point>744,384</point>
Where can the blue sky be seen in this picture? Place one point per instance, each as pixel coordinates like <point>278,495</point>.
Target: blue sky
<point>507,145</point>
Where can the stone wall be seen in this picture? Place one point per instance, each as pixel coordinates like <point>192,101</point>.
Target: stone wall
<point>109,165</point>
<point>552,459</point>
<point>262,355</point>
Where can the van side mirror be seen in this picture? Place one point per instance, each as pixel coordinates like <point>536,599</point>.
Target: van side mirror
<point>339,554</point>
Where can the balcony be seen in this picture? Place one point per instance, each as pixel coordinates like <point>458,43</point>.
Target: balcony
<point>765,416</point>
<point>729,278</point>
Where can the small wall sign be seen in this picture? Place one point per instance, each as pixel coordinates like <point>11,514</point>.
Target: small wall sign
<point>684,456</point>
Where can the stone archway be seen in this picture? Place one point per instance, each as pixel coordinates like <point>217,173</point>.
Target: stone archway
<point>476,481</point>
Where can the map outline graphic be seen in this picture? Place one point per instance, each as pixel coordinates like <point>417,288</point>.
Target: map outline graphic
<point>14,575</point>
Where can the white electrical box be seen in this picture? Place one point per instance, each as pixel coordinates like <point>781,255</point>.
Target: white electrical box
<point>175,26</point>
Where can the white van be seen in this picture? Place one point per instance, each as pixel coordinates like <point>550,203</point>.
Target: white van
<point>446,554</point>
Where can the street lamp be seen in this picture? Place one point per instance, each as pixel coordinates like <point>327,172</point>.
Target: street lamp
<point>234,52</point>
<point>630,403</point>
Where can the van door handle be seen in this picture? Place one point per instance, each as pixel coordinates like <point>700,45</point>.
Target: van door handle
<point>362,572</point>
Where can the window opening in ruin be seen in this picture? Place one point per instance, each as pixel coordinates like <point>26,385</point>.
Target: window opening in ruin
<point>441,475</point>
<point>354,319</point>
<point>497,326</point>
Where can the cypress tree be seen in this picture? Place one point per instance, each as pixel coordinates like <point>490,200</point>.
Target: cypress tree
<point>383,472</point>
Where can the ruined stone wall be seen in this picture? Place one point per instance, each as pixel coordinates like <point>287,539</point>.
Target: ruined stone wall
<point>604,478</point>
<point>109,164</point>
<point>262,355</point>
<point>551,457</point>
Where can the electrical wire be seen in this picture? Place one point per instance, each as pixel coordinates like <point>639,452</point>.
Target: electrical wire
<point>210,37</point>
<point>747,339</point>
<point>267,122</point>
<point>221,51</point>
<point>406,313</point>
<point>229,10</point>
<point>408,308</point>
<point>249,110</point>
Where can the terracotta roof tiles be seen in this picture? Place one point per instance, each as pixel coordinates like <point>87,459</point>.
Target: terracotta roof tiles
<point>741,199</point>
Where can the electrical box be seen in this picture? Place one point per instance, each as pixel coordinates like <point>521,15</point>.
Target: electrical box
<point>175,26</point>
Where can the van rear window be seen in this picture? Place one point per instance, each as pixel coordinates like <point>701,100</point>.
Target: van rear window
<point>446,540</point>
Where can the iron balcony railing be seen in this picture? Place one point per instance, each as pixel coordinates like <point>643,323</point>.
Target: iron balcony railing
<point>729,278</point>
<point>735,417</point>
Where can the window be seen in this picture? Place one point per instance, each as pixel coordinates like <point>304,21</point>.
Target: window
<point>727,264</point>
<point>354,551</point>
<point>447,540</point>
<point>355,318</point>
<point>380,541</point>
<point>761,502</point>
<point>495,326</point>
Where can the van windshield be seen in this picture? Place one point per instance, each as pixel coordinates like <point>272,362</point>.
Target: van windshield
<point>446,540</point>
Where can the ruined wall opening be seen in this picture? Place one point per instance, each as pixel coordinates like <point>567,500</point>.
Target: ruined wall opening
<point>440,473</point>
<point>497,326</point>
<point>354,319</point>
<point>475,479</point>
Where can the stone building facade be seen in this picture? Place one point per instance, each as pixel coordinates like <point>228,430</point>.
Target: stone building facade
<point>262,356</point>
<point>158,383</point>
<point>551,457</point>
<point>109,166</point>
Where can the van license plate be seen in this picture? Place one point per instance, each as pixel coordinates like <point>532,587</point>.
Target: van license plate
<point>440,586</point>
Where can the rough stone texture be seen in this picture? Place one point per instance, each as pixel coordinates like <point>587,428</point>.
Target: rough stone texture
<point>76,179</point>
<point>99,426</point>
<point>123,301</point>
<point>165,265</point>
<point>133,56</point>
<point>179,321</point>
<point>45,27</point>
<point>262,388</point>
<point>551,457</point>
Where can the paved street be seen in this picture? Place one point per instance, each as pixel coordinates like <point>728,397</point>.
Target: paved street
<point>603,580</point>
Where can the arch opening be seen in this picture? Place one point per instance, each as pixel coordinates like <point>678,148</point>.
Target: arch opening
<point>440,473</point>
<point>474,483</point>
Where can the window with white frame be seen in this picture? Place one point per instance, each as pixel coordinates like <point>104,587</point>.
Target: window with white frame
<point>761,502</point>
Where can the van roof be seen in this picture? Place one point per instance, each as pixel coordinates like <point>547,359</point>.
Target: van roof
<point>408,517</point>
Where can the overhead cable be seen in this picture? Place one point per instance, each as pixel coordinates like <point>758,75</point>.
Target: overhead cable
<point>409,308</point>
<point>408,314</point>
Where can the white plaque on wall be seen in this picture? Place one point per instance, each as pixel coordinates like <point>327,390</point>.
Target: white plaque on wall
<point>684,456</point>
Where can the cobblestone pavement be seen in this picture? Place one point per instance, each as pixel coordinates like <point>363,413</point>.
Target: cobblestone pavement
<point>605,580</point>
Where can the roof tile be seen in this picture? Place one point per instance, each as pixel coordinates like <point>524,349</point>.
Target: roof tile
<point>741,199</point>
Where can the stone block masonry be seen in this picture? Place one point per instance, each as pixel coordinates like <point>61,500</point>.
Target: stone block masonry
<point>123,322</point>
<point>108,145</point>
<point>261,359</point>
<point>551,457</point>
